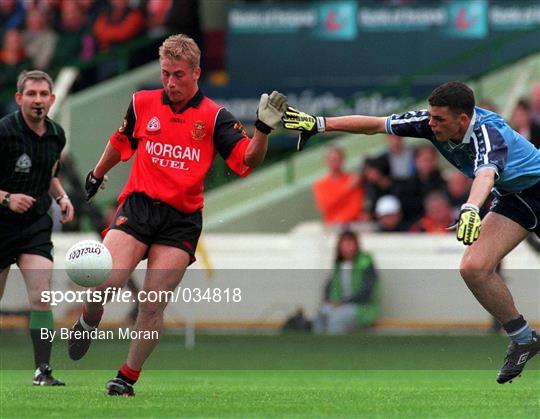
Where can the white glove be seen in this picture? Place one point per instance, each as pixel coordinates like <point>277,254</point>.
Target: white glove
<point>270,111</point>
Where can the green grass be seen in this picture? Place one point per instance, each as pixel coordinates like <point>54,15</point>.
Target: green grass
<point>280,376</point>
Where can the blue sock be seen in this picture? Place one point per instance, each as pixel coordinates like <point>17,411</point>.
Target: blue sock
<point>518,330</point>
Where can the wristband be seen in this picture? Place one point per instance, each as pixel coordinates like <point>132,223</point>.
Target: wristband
<point>60,197</point>
<point>468,206</point>
<point>321,123</point>
<point>261,126</point>
<point>5,200</point>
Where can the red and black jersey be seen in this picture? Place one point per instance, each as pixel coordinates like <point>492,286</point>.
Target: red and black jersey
<point>176,149</point>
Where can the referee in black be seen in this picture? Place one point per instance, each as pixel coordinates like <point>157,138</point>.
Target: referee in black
<point>30,147</point>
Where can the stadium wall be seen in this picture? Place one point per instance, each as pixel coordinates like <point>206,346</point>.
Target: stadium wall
<point>279,273</point>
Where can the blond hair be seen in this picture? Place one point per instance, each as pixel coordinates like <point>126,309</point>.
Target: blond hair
<point>36,75</point>
<point>180,47</point>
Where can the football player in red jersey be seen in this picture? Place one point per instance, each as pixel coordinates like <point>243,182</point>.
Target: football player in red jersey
<point>174,133</point>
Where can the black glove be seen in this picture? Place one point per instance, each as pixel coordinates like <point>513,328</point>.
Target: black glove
<point>93,184</point>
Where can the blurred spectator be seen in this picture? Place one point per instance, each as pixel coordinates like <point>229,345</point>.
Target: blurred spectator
<point>389,215</point>
<point>117,23</point>
<point>426,179</point>
<point>39,39</point>
<point>377,181</point>
<point>352,293</point>
<point>458,187</point>
<point>172,16</point>
<point>400,158</point>
<point>12,57</point>
<point>90,8</point>
<point>11,15</point>
<point>157,16</point>
<point>489,105</point>
<point>438,214</point>
<point>76,38</point>
<point>522,122</point>
<point>535,102</point>
<point>165,17</point>
<point>338,195</point>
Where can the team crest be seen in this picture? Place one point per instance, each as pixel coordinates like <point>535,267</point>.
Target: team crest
<point>24,163</point>
<point>120,220</point>
<point>240,127</point>
<point>153,125</point>
<point>199,130</point>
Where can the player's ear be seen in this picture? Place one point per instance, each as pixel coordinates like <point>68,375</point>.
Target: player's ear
<point>18,98</point>
<point>197,73</point>
<point>464,119</point>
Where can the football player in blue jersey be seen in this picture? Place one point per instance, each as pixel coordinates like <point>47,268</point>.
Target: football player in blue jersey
<point>484,147</point>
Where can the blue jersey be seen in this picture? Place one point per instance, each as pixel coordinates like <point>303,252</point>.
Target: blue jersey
<point>488,142</point>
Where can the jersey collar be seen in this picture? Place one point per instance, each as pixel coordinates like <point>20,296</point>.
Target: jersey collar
<point>468,134</point>
<point>23,126</point>
<point>194,102</point>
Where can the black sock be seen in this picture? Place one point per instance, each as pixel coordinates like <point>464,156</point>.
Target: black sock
<point>514,325</point>
<point>129,375</point>
<point>42,347</point>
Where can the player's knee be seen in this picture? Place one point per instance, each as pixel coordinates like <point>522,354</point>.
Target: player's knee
<point>39,304</point>
<point>474,269</point>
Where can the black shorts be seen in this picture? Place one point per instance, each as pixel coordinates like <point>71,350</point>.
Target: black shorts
<point>522,207</point>
<point>153,222</point>
<point>33,238</point>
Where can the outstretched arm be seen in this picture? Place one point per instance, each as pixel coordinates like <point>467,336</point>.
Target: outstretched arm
<point>356,124</point>
<point>309,125</point>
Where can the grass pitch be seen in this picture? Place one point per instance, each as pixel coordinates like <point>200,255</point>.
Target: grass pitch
<point>280,376</point>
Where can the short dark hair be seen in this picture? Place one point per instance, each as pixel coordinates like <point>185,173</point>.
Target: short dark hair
<point>36,75</point>
<point>456,95</point>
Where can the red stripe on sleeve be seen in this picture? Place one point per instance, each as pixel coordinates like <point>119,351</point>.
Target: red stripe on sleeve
<point>121,144</point>
<point>236,158</point>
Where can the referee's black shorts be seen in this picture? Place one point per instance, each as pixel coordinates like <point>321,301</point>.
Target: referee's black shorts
<point>153,222</point>
<point>17,238</point>
<point>522,207</point>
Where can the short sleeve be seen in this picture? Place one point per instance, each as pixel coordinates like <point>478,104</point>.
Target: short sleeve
<point>410,124</point>
<point>122,139</point>
<point>231,142</point>
<point>490,150</point>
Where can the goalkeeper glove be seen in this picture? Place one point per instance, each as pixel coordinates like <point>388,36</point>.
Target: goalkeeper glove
<point>93,184</point>
<point>270,111</point>
<point>468,224</point>
<point>308,125</point>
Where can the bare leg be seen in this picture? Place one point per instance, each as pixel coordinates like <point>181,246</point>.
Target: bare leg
<point>126,252</point>
<point>498,236</point>
<point>166,267</point>
<point>37,273</point>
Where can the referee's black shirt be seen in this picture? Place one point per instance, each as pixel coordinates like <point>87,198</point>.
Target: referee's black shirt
<point>28,163</point>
